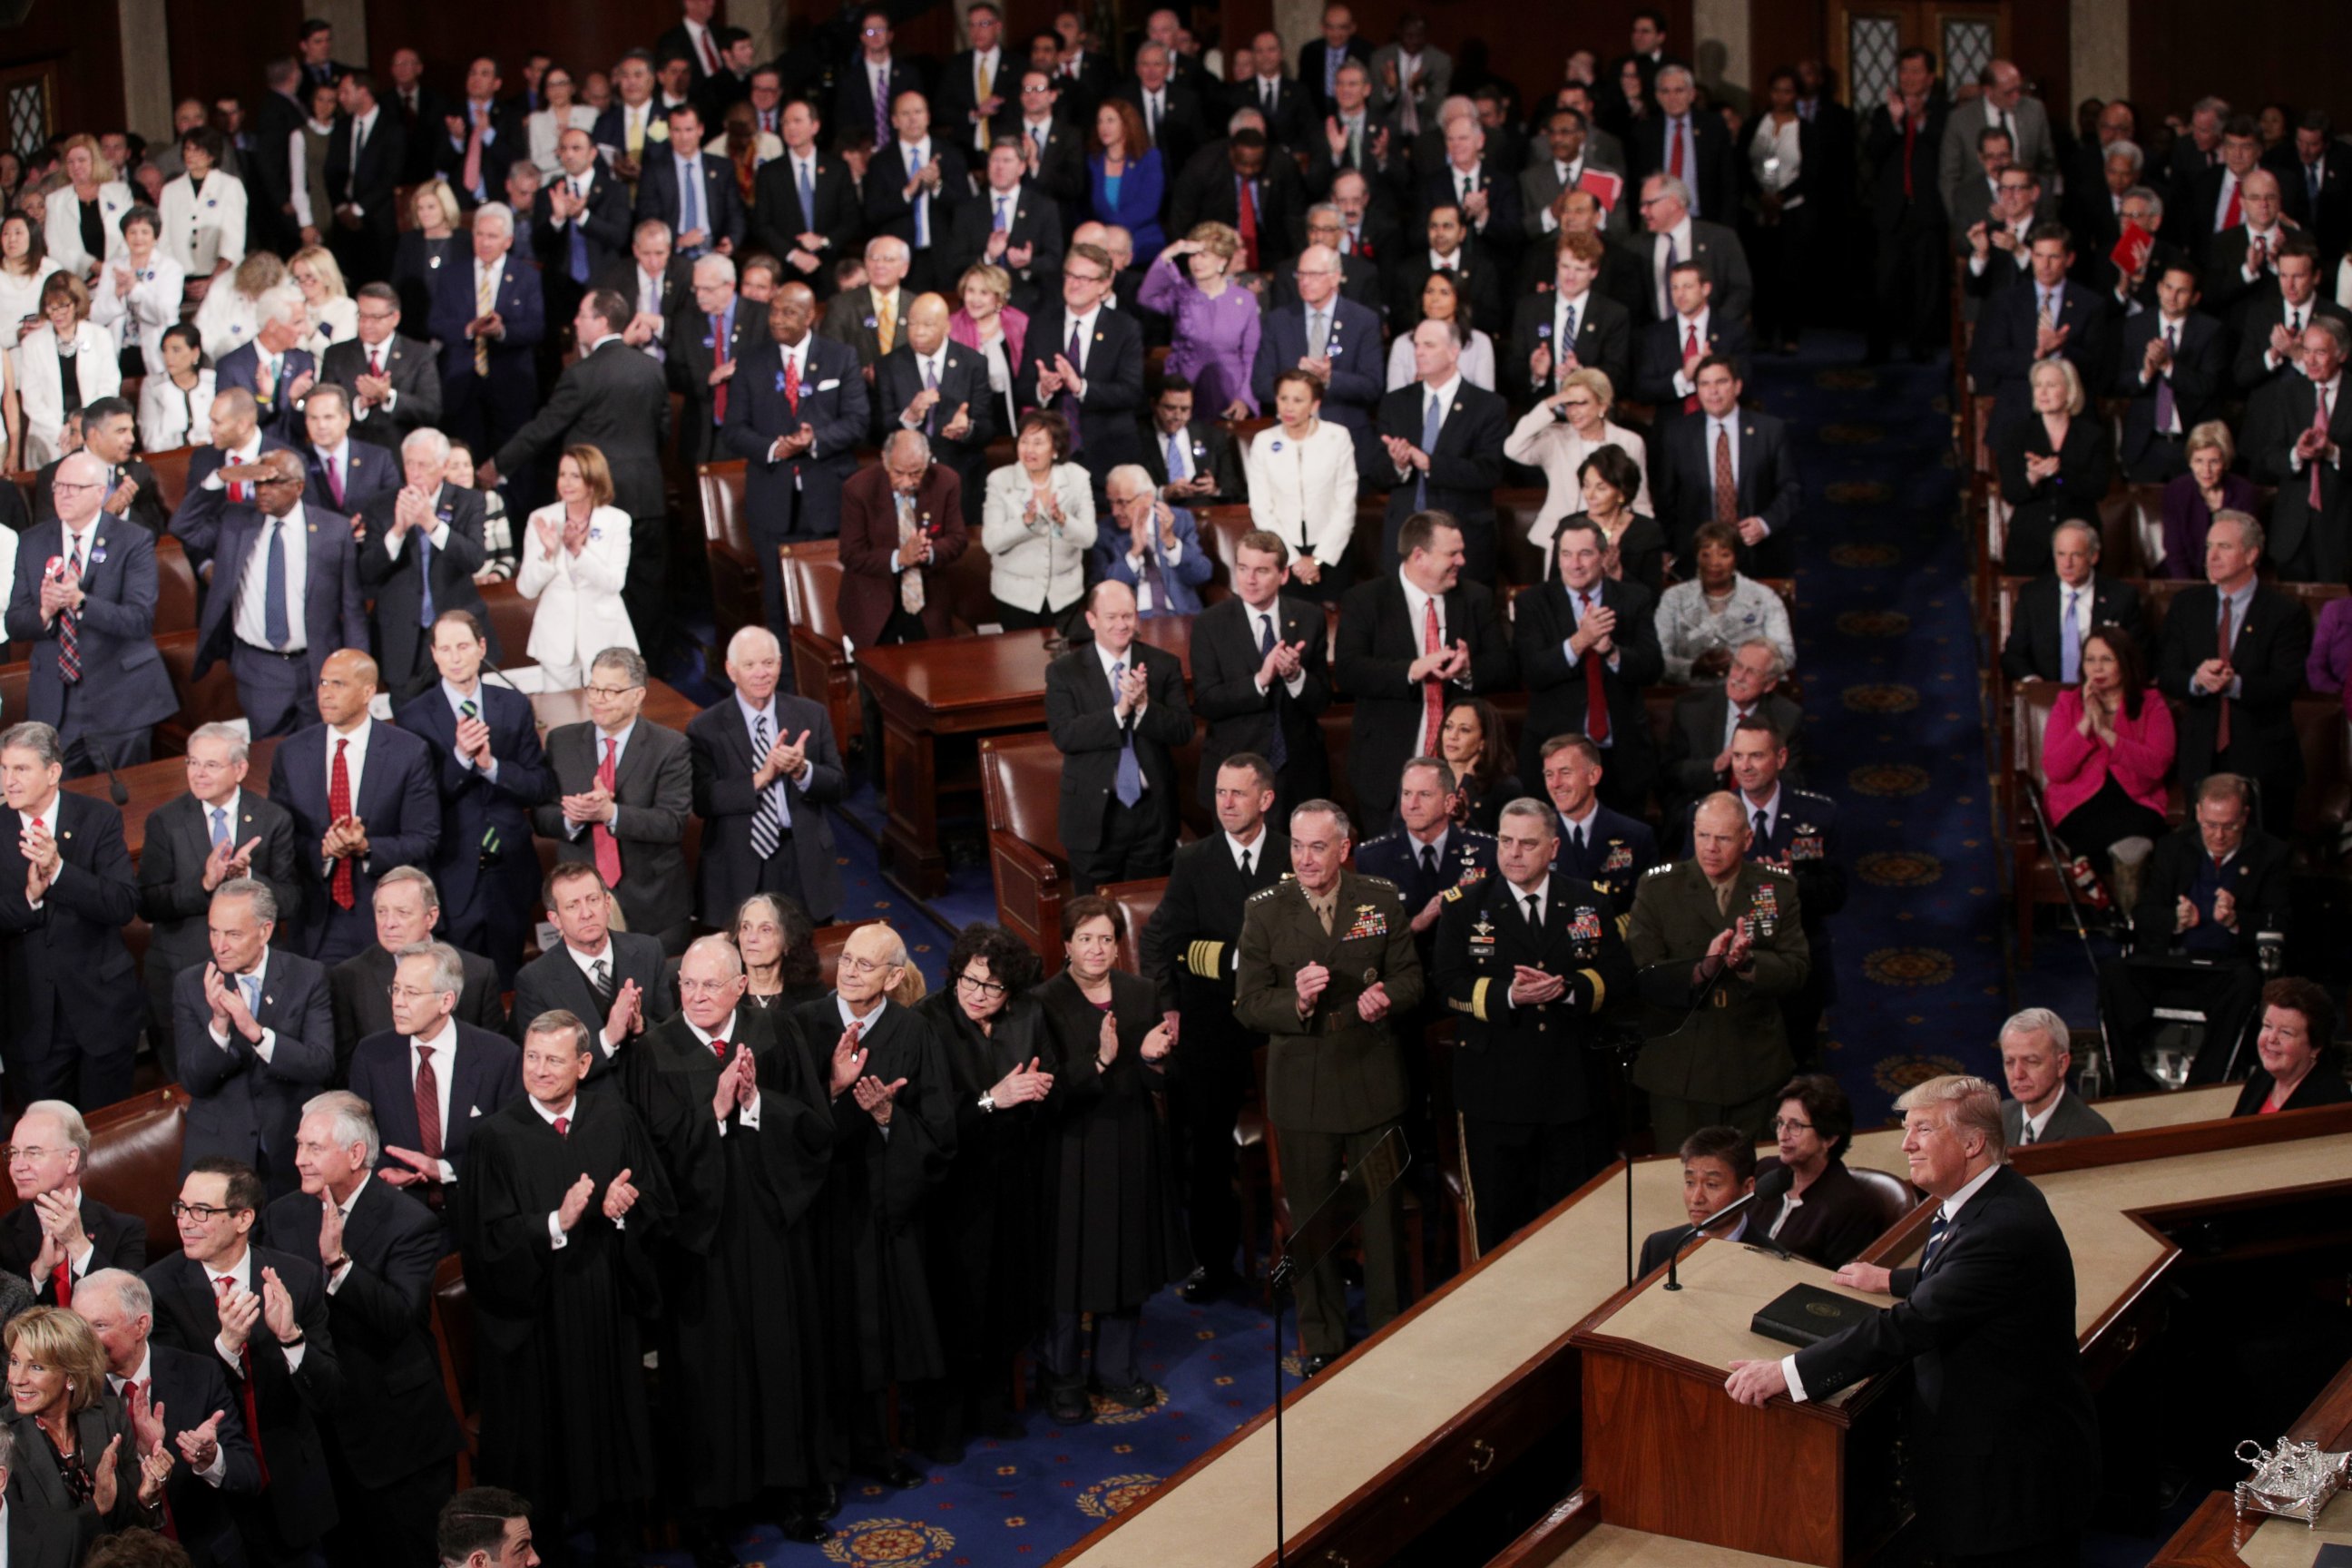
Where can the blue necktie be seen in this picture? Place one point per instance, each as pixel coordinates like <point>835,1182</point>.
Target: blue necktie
<point>424,574</point>
<point>1130,784</point>
<point>690,200</point>
<point>1278,753</point>
<point>808,196</point>
<point>274,624</point>
<point>577,262</point>
<point>1936,1229</point>
<point>1176,474</point>
<point>1429,419</point>
<point>1003,224</point>
<point>922,214</point>
<point>251,985</point>
<point>2070,646</point>
<point>220,825</point>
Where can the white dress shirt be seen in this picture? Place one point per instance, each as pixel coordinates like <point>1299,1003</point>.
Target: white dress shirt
<point>268,1044</point>
<point>1084,329</point>
<point>748,1115</point>
<point>252,614</point>
<point>445,1058</point>
<point>240,1275</point>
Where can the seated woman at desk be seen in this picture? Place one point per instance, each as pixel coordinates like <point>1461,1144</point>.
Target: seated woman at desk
<point>1824,1214</point>
<point>1719,1168</point>
<point>2299,1069</point>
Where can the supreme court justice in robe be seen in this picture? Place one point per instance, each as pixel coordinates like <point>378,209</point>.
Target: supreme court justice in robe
<point>430,1077</point>
<point>54,1225</point>
<point>565,1203</point>
<point>885,1069</point>
<point>744,1133</point>
<point>407,907</point>
<point>390,1432</point>
<point>610,980</point>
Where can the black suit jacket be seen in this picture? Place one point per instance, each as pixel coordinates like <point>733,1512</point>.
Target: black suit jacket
<point>1543,620</point>
<point>1037,222</point>
<point>370,187</point>
<point>963,384</point>
<point>2323,1085</point>
<point>367,471</point>
<point>1287,122</point>
<point>1696,738</point>
<point>796,495</point>
<point>1114,382</point>
<point>618,401</point>
<point>68,958</point>
<point>853,96</point>
<point>1604,341</point>
<point>1378,643</point>
<point>1078,702</point>
<point>240,1106</point>
<point>956,98</point>
<point>2033,651</point>
<point>171,897</point>
<point>1225,662</point>
<point>1206,191</point>
<point>2003,355</point>
<point>396,799</point>
<point>397,586</point>
<point>196,521</point>
<point>778,218</point>
<point>654,789</point>
<point>887,208</point>
<point>2002,1431</point>
<point>484,1076</point>
<point>555,980</point>
<point>1765,463</point>
<point>117,1240</point>
<point>693,355</point>
<point>472,806</point>
<point>2250,326</point>
<point>415,388</point>
<point>1183,124</point>
<point>44,1523</point>
<point>1515,1064</point>
<point>719,745</point>
<point>124,685</point>
<point>2268,650</point>
<point>1889,149</point>
<point>2310,542</point>
<point>718,206</point>
<point>191,1387</point>
<point>1313,59</point>
<point>389,1417</point>
<point>2199,375</point>
<point>146,508</point>
<point>604,228</point>
<point>2259,877</point>
<point>1214,453</point>
<point>1715,181</point>
<point>1661,360</point>
<point>1191,944</point>
<point>357,989</point>
<point>1464,466</point>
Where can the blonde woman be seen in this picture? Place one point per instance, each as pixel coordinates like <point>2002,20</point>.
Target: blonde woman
<point>994,327</point>
<point>574,563</point>
<point>231,313</point>
<point>83,216</point>
<point>1216,324</point>
<point>66,364</point>
<point>1037,524</point>
<point>1302,486</point>
<point>1558,434</point>
<point>138,294</point>
<point>2055,465</point>
<point>334,316</point>
<point>432,243</point>
<point>204,212</point>
<point>74,1446</point>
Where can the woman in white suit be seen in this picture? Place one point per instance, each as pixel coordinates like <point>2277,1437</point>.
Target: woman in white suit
<point>1037,524</point>
<point>573,564</point>
<point>138,294</point>
<point>1302,486</point>
<point>82,221</point>
<point>1558,434</point>
<point>175,401</point>
<point>24,267</point>
<point>64,364</point>
<point>204,212</point>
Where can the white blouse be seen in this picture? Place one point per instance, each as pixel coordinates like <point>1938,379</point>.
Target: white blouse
<point>1477,361</point>
<point>140,317</point>
<point>1305,490</point>
<point>169,417</point>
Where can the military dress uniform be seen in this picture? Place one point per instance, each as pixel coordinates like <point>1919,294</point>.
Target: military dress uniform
<point>1334,1084</point>
<point>1466,856</point>
<point>1803,833</point>
<point>1614,852</point>
<point>1529,1134</point>
<point>1722,1066</point>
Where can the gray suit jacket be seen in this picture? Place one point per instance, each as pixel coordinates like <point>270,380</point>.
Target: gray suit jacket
<point>1958,160</point>
<point>1437,80</point>
<point>1539,186</point>
<point>655,791</point>
<point>2072,1118</point>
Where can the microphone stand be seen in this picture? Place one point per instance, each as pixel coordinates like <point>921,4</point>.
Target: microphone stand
<point>116,790</point>
<point>1674,1255</point>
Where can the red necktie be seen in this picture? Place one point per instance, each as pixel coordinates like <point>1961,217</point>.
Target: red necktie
<point>2222,643</point>
<point>1433,698</point>
<point>339,806</point>
<point>1690,347</point>
<point>793,381</point>
<point>221,1282</point>
<point>61,1281</point>
<point>608,848</point>
<point>1248,225</point>
<point>1675,136</point>
<point>1596,691</point>
<point>334,481</point>
<point>375,362</point>
<point>428,1105</point>
<point>563,1127</point>
<point>719,345</point>
<point>710,57</point>
<point>718,1049</point>
<point>2235,214</point>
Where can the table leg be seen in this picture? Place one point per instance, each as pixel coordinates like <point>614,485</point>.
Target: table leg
<point>909,763</point>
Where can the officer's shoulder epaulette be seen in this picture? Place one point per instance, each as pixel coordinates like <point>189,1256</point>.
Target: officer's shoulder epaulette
<point>1781,871</point>
<point>1381,882</point>
<point>1813,794</point>
<point>1454,894</point>
<point>1478,832</point>
<point>1287,878</point>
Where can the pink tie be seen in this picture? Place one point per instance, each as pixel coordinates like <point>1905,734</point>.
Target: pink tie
<point>2318,423</point>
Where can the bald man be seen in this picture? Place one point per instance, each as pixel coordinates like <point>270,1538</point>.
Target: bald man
<point>938,388</point>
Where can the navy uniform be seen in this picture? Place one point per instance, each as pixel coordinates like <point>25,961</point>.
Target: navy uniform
<point>1613,852</point>
<point>1529,1134</point>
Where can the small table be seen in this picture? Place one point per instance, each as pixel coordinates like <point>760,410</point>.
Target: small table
<point>961,686</point>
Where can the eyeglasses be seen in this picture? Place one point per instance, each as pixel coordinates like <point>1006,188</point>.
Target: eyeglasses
<point>203,1214</point>
<point>73,489</point>
<point>34,1152</point>
<point>985,987</point>
<point>411,993</point>
<point>611,690</point>
<point>863,965</point>
<point>1785,1125</point>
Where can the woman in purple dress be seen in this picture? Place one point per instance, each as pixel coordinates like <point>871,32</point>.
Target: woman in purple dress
<point>1216,322</point>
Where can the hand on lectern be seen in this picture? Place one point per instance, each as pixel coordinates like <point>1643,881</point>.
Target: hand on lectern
<point>1867,1277</point>
<point>1754,1381</point>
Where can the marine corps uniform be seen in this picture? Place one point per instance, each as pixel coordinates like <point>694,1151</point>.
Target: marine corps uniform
<point>1804,839</point>
<point>1529,1131</point>
<point>1334,1083</point>
<point>1723,1066</point>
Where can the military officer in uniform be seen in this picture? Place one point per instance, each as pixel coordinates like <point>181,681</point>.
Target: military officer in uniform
<point>1327,956</point>
<point>1796,830</point>
<point>1191,947</point>
<point>1604,847</point>
<point>1525,960</point>
<point>1719,941</point>
<point>1427,852</point>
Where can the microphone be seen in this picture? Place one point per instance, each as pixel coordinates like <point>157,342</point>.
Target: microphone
<point>1674,1254</point>
<point>116,790</point>
<point>502,675</point>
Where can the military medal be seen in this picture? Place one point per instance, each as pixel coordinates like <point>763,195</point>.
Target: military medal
<point>1620,857</point>
<point>1483,933</point>
<point>1586,926</point>
<point>1767,908</point>
<point>1369,921</point>
<point>1372,977</point>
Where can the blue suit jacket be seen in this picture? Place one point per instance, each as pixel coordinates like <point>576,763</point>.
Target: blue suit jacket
<point>2002,359</point>
<point>797,495</point>
<point>720,209</point>
<point>241,366</point>
<point>1181,581</point>
<point>196,525</point>
<point>472,805</point>
<point>1137,210</point>
<point>397,801</point>
<point>513,380</point>
<point>333,617</point>
<point>1358,364</point>
<point>486,1076</point>
<point>123,683</point>
<point>368,471</point>
<point>1468,856</point>
<point>240,1104</point>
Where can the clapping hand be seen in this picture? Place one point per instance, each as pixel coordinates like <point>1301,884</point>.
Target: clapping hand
<point>200,1443</point>
<point>729,1093</point>
<point>575,1202</point>
<point>331,1233</point>
<point>955,429</point>
<point>1106,1042</point>
<point>1158,1042</point>
<point>2041,469</point>
<point>589,806</point>
<point>419,1168</point>
<point>227,861</point>
<point>1022,1085</point>
<point>876,1097</point>
<point>1532,987</point>
<point>277,1307</point>
<point>2225,910</point>
<point>848,1060</point>
<point>1372,1004</point>
<point>628,1015</point>
<point>619,1197</point>
<point>474,741</point>
<point>1309,983</point>
<point>238,1311</point>
<point>1592,633</point>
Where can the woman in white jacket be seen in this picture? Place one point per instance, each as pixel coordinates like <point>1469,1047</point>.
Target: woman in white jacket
<point>138,294</point>
<point>231,315</point>
<point>24,267</point>
<point>1302,486</point>
<point>66,344</point>
<point>204,212</point>
<point>1037,524</point>
<point>83,218</point>
<point>334,314</point>
<point>573,564</point>
<point>1556,435</point>
<point>175,404</point>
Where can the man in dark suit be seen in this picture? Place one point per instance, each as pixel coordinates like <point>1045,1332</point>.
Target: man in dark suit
<point>1487,194</point>
<point>1408,645</point>
<point>1054,141</point>
<point>423,544</point>
<point>1172,114</point>
<point>263,1314</point>
<point>2316,162</point>
<point>84,600</point>
<point>796,413</point>
<point>272,367</point>
<point>2055,613</point>
<point>623,790</point>
<point>2269,319</point>
<point>431,1052</point>
<point>366,155</point>
<point>870,83</point>
<point>254,1035</point>
<point>902,525</point>
<point>1588,645</point>
<point>1261,680</point>
<point>2012,333</point>
<point>1010,224</point>
<point>1766,491</point>
<point>805,209</point>
<point>1907,210</point>
<point>1336,339</point>
<point>1194,462</point>
<point>2295,437</point>
<point>691,39</point>
<point>1719,1168</point>
<point>1116,711</point>
<point>109,432</point>
<point>390,1437</point>
<point>1240,171</point>
<point>1099,391</point>
<point>2174,366</point>
<point>1477,274</point>
<point>2002,1428</point>
<point>286,595</point>
<point>1672,349</point>
<point>2242,261</point>
<point>2036,1060</point>
<point>362,800</point>
<point>1699,750</point>
<point>490,773</point>
<point>480,136</point>
<point>406,907</point>
<point>57,1236</point>
<point>691,191</point>
<point>580,223</point>
<point>341,478</point>
<point>707,340</point>
<point>1571,325</point>
<point>488,315</point>
<point>2233,685</point>
<point>1319,59</point>
<point>612,980</point>
<point>1605,847</point>
<point>1444,443</point>
<point>978,96</point>
<point>1689,145</point>
<point>938,389</point>
<point>1190,947</point>
<point>2223,197</point>
<point>654,283</point>
<point>913,187</point>
<point>1281,100</point>
<point>1676,235</point>
<point>390,378</point>
<point>616,401</point>
<point>870,319</point>
<point>765,767</point>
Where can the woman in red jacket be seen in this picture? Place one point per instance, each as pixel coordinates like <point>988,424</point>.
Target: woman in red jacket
<point>2105,753</point>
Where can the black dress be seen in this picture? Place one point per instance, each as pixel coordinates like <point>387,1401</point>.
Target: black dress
<point>2072,495</point>
<point>68,378</point>
<point>1485,802</point>
<point>2323,1085</point>
<point>416,266</point>
<point>93,228</point>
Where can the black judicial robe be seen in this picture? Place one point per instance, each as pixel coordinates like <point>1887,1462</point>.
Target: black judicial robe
<point>741,1327</point>
<point>880,1327</point>
<point>561,1368</point>
<point>1116,1236</point>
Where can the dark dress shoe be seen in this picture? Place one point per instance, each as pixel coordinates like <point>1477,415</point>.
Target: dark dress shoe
<point>897,1472</point>
<point>1204,1286</point>
<point>1313,1365</point>
<point>823,1500</point>
<point>1068,1409</point>
<point>1133,1395</point>
<point>804,1529</point>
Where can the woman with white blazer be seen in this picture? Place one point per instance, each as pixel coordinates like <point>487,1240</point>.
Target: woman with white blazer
<point>138,294</point>
<point>231,315</point>
<point>1302,486</point>
<point>175,401</point>
<point>25,266</point>
<point>66,345</point>
<point>1037,524</point>
<point>1556,435</point>
<point>573,564</point>
<point>334,315</point>
<point>204,212</point>
<point>82,221</point>
<point>563,112</point>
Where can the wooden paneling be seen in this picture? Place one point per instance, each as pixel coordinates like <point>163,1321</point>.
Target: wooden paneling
<point>210,60</point>
<point>585,37</point>
<point>2283,50</point>
<point>83,44</point>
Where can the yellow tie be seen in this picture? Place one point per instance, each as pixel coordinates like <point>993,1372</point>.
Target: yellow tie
<point>885,331</point>
<point>979,129</point>
<point>634,133</point>
<point>485,299</point>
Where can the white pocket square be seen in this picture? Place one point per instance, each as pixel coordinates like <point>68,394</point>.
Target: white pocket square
<point>475,1111</point>
<point>828,385</point>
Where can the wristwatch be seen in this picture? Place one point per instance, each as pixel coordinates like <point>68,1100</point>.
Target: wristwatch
<point>988,1102</point>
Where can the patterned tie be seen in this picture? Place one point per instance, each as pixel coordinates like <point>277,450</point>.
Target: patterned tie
<point>428,1104</point>
<point>2027,1136</point>
<point>1432,695</point>
<point>931,384</point>
<point>793,381</point>
<point>722,350</point>
<point>881,105</point>
<point>425,578</point>
<point>375,362</point>
<point>2222,643</point>
<point>1432,417</point>
<point>910,579</point>
<point>339,806</point>
<point>221,1283</point>
<point>2319,423</point>
<point>485,299</point>
<point>69,620</point>
<point>885,323</point>
<point>1318,334</point>
<point>607,847</point>
<point>2166,416</point>
<point>600,981</point>
<point>1129,785</point>
<point>1727,483</point>
<point>220,827</point>
<point>1176,474</point>
<point>2069,644</point>
<point>1690,349</point>
<point>767,824</point>
<point>1279,751</point>
<point>1596,686</point>
<point>1567,343</point>
<point>1936,1229</point>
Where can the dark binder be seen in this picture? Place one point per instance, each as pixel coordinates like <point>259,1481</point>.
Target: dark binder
<point>1806,1315</point>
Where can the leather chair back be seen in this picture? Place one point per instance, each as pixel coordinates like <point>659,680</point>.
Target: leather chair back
<point>134,1161</point>
<point>813,574</point>
<point>453,1340</point>
<point>1893,1195</point>
<point>1021,784</point>
<point>511,617</point>
<point>830,940</point>
<point>175,588</point>
<point>200,701</point>
<point>971,605</point>
<point>170,470</point>
<point>1136,901</point>
<point>727,541</point>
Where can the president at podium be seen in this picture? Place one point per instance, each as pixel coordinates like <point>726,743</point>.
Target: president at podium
<point>2003,1461</point>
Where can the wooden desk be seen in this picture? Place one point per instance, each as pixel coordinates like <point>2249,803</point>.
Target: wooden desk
<point>961,686</point>
<point>2215,1536</point>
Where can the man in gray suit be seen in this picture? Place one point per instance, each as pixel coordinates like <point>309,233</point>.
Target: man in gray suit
<point>1410,77</point>
<point>2002,102</point>
<point>623,788</point>
<point>2035,1060</point>
<point>1572,153</point>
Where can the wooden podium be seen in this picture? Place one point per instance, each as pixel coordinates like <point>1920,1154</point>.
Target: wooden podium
<point>1671,1454</point>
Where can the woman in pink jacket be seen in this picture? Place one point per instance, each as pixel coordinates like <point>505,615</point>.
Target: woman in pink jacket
<point>2105,753</point>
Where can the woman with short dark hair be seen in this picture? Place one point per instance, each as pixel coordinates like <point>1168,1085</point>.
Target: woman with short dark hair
<point>1823,1215</point>
<point>1037,524</point>
<point>2297,1043</point>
